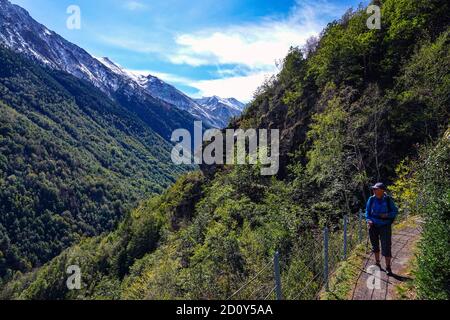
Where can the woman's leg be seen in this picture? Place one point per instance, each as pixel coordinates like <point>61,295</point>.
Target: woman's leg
<point>374,236</point>
<point>386,244</point>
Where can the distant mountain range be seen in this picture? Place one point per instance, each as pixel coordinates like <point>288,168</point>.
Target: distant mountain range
<point>169,107</point>
<point>214,111</point>
<point>222,109</point>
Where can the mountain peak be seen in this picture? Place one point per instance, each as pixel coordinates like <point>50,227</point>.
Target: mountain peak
<point>221,108</point>
<point>215,101</point>
<point>109,63</point>
<point>108,60</point>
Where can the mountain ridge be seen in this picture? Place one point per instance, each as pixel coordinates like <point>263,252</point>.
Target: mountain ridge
<point>20,32</point>
<point>170,94</point>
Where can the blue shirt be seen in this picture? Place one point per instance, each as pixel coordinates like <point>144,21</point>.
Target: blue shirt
<point>376,207</point>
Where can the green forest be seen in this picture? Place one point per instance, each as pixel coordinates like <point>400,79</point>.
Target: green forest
<point>354,106</point>
<point>72,163</point>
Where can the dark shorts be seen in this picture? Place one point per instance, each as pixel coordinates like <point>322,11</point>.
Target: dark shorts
<point>381,234</point>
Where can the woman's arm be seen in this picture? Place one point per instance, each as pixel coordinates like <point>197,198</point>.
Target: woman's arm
<point>368,217</point>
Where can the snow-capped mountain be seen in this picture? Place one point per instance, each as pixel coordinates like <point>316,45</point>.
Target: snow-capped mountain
<point>218,102</point>
<point>164,91</point>
<point>224,109</point>
<point>21,33</point>
<point>214,111</point>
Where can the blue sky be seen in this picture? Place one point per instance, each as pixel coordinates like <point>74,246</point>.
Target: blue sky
<point>203,47</point>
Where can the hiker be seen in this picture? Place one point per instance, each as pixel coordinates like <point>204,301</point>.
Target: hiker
<point>381,212</point>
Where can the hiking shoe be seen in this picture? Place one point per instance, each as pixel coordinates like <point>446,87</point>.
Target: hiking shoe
<point>378,264</point>
<point>389,271</point>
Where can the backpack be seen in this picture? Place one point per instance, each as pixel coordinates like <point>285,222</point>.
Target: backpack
<point>388,203</point>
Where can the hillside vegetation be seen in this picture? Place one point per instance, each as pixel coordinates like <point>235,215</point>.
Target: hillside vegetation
<point>72,163</point>
<point>433,272</point>
<point>352,107</point>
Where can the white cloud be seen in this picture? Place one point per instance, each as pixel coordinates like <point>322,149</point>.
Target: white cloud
<point>251,49</point>
<point>254,48</point>
<point>239,87</point>
<point>134,5</point>
<point>189,59</point>
<point>256,45</point>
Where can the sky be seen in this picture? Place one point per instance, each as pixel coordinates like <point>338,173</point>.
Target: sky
<point>203,47</point>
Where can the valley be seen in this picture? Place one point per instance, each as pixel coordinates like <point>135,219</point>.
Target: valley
<point>87,177</point>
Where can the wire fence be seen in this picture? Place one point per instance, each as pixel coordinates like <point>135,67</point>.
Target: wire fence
<point>305,272</point>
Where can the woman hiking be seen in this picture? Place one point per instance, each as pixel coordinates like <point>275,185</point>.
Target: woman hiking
<point>381,212</point>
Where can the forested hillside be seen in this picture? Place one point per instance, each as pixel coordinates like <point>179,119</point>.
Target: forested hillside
<point>72,163</point>
<point>352,106</point>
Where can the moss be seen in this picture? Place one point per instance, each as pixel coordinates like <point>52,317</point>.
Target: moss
<point>407,290</point>
<point>344,279</point>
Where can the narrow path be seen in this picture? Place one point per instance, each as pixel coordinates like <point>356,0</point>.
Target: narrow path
<point>383,286</point>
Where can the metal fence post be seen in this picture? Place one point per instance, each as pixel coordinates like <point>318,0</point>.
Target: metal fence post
<point>345,236</point>
<point>276,261</point>
<point>325,258</point>
<point>360,225</point>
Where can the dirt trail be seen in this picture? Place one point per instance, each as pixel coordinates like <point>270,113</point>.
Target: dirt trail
<point>383,287</point>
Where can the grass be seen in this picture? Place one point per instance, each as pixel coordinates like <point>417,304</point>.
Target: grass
<point>410,222</point>
<point>407,290</point>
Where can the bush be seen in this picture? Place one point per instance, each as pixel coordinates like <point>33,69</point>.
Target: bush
<point>433,274</point>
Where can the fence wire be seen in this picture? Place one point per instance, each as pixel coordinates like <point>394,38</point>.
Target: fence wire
<point>303,272</point>
<point>313,274</point>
